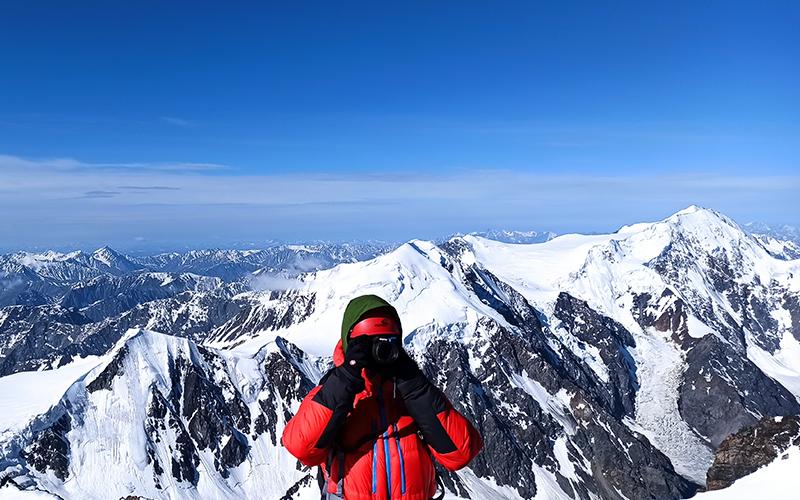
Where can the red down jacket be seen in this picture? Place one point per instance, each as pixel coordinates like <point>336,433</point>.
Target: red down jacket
<point>380,451</point>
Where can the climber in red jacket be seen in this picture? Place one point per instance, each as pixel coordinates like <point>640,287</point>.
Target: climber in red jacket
<point>375,423</point>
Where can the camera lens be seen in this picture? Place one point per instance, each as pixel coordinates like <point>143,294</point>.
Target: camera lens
<point>385,350</point>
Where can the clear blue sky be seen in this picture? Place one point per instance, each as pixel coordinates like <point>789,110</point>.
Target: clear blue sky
<point>196,122</point>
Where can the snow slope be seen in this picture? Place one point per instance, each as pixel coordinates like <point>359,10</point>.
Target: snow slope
<point>411,278</point>
<point>777,480</point>
<point>28,394</point>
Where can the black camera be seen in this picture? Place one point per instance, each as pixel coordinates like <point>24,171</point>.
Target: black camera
<point>385,349</point>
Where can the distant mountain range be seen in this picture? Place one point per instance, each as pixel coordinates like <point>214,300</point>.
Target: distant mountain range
<point>595,366</point>
<point>782,242</point>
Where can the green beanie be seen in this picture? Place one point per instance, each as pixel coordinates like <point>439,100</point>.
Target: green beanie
<point>360,306</point>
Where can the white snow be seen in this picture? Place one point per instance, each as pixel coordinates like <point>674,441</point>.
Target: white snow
<point>535,270</point>
<point>111,440</point>
<point>28,394</point>
<point>660,369</point>
<point>551,404</point>
<point>777,480</point>
<point>783,365</point>
<point>411,278</point>
<point>485,488</point>
<point>697,328</point>
<point>36,261</point>
<point>566,467</point>
<point>11,493</point>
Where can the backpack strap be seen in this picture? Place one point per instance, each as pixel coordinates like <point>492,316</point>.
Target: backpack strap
<point>340,482</point>
<point>440,484</point>
<point>328,475</point>
<point>439,481</point>
<point>339,494</point>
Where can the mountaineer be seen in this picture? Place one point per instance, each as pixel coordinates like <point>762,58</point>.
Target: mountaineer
<point>375,423</point>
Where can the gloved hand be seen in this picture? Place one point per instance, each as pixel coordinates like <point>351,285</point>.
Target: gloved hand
<point>405,368</point>
<point>424,402</point>
<point>340,386</point>
<point>358,356</point>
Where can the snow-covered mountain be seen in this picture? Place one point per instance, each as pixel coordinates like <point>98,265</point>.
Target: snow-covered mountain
<point>234,264</point>
<point>42,278</point>
<point>782,242</point>
<point>512,236</point>
<point>595,366</point>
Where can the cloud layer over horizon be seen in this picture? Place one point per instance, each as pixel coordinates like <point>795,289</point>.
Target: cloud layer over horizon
<point>65,202</point>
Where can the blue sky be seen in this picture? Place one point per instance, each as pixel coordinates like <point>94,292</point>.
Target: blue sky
<point>208,124</point>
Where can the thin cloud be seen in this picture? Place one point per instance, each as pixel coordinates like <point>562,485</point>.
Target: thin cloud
<point>100,194</point>
<point>150,188</point>
<point>50,200</point>
<point>178,122</point>
<point>71,164</point>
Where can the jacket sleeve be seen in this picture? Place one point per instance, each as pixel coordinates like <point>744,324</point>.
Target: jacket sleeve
<point>453,440</point>
<point>310,433</point>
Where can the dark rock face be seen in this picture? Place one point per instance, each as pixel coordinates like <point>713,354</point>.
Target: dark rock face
<point>105,379</point>
<point>29,334</point>
<point>721,391</point>
<point>612,340</point>
<point>109,295</point>
<point>46,336</point>
<point>50,450</point>
<point>283,309</point>
<point>792,304</point>
<point>751,448</point>
<point>289,383</point>
<point>183,454</point>
<point>667,313</point>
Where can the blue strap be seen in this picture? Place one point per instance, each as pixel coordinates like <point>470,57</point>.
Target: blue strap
<point>388,463</point>
<point>388,458</point>
<point>402,463</point>
<point>374,463</point>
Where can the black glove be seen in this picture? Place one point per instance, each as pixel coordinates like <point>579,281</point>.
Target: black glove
<point>403,368</point>
<point>358,356</point>
<point>340,386</point>
<point>424,402</point>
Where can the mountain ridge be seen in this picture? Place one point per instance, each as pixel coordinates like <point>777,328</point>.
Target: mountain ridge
<point>600,346</point>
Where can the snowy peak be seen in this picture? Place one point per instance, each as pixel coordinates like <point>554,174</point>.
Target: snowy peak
<point>191,419</point>
<point>707,226</point>
<point>112,261</point>
<point>65,268</point>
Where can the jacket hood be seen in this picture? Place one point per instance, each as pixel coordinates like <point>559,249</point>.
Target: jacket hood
<point>360,306</point>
